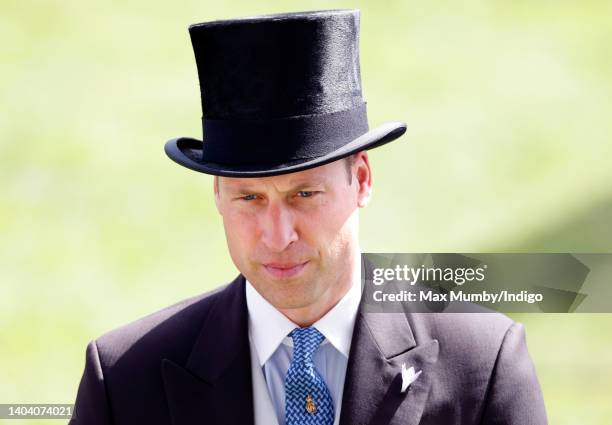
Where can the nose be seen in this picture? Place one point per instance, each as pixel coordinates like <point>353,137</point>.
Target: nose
<point>278,226</point>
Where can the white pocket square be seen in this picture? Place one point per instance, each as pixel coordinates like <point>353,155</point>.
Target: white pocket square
<point>408,376</point>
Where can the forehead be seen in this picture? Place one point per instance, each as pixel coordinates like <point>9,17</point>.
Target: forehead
<point>324,174</point>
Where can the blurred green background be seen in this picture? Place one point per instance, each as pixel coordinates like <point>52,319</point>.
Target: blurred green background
<point>508,106</point>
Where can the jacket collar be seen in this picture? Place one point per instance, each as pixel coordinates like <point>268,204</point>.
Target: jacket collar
<point>215,385</point>
<point>382,342</point>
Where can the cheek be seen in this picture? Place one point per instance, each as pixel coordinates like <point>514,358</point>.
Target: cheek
<point>329,226</point>
<point>240,231</point>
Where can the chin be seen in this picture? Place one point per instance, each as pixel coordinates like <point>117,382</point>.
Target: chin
<point>295,293</point>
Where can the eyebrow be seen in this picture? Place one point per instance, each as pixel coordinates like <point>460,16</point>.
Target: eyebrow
<point>296,186</point>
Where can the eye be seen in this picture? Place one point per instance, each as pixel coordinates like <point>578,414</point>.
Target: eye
<point>306,193</point>
<point>250,197</point>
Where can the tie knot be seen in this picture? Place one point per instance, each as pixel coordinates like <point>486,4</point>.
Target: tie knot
<point>305,343</point>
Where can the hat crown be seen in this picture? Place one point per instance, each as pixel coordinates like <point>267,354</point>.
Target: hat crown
<point>278,66</point>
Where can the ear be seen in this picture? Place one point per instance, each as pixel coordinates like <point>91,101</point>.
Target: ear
<point>217,195</point>
<point>363,174</point>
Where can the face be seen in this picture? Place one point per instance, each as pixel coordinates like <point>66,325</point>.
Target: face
<point>294,236</point>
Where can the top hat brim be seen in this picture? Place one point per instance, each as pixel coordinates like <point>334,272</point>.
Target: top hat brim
<point>187,152</point>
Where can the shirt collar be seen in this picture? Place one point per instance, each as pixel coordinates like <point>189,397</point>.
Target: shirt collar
<point>268,327</point>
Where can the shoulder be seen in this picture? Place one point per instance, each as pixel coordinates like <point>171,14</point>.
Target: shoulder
<point>481,346</point>
<point>123,367</point>
<point>487,327</point>
<point>167,333</point>
<point>479,335</point>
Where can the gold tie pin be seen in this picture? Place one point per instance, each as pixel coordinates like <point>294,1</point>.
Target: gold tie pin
<point>310,405</point>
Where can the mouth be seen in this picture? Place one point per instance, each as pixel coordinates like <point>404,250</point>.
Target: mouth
<point>284,271</point>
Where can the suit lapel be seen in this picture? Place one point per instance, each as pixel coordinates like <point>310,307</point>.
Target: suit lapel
<point>381,343</point>
<point>215,384</point>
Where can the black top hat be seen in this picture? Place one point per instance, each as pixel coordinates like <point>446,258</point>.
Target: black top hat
<point>280,93</point>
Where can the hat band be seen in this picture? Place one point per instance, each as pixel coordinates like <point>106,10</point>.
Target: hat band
<point>303,137</point>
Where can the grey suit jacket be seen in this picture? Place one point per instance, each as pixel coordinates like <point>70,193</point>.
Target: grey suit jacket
<point>190,364</point>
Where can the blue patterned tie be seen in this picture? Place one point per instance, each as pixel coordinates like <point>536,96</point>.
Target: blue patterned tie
<point>307,399</point>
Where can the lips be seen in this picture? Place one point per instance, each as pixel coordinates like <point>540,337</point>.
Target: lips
<point>284,270</point>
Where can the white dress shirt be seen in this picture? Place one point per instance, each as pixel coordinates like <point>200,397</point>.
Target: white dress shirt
<point>272,350</point>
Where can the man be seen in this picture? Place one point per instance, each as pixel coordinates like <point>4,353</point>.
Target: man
<point>287,342</point>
